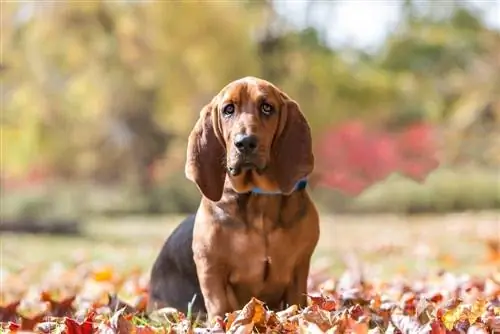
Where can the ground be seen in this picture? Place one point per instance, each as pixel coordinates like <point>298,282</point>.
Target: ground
<point>115,256</point>
<point>386,244</point>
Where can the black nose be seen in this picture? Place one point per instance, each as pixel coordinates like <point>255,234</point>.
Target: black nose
<point>245,143</point>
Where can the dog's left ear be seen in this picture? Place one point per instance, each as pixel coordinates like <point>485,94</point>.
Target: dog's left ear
<point>293,155</point>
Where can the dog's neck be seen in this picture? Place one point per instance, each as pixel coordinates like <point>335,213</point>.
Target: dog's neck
<point>261,210</point>
<point>300,185</point>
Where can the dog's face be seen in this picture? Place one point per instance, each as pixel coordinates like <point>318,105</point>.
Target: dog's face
<point>255,134</point>
<point>249,117</point>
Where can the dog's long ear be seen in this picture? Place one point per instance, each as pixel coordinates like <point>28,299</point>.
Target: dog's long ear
<point>206,154</point>
<point>293,156</point>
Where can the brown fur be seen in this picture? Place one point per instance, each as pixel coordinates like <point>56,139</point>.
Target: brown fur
<point>243,244</point>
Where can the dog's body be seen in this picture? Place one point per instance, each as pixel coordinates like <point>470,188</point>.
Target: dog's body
<point>256,227</point>
<point>173,277</point>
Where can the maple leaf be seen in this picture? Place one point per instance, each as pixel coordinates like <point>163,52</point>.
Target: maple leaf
<point>437,327</point>
<point>318,316</point>
<point>103,274</point>
<point>436,297</point>
<point>349,306</point>
<point>59,308</point>
<point>478,308</point>
<point>253,313</point>
<point>84,327</point>
<point>450,317</point>
<point>9,311</point>
<point>121,323</point>
<point>409,303</point>
<point>327,304</point>
<point>11,326</point>
<point>423,310</point>
<point>29,324</point>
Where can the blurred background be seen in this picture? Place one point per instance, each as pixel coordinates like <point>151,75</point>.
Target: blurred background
<point>98,99</point>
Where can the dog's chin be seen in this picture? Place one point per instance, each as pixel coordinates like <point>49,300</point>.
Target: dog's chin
<point>238,169</point>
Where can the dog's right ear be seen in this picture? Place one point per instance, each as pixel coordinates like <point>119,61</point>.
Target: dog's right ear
<point>206,154</point>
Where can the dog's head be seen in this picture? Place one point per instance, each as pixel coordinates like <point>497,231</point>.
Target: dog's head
<point>255,134</point>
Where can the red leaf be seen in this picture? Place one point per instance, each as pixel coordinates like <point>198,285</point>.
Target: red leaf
<point>60,308</point>
<point>73,327</point>
<point>28,324</point>
<point>8,312</point>
<point>324,303</point>
<point>13,326</point>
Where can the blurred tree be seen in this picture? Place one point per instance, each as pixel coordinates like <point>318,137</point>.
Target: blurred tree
<point>96,86</point>
<point>104,90</point>
<point>446,67</point>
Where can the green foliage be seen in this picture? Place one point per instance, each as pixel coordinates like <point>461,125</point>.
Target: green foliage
<point>44,203</point>
<point>445,190</point>
<point>100,91</point>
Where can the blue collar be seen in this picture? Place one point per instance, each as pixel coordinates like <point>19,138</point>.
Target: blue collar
<point>301,184</point>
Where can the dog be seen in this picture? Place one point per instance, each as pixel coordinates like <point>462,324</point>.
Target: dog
<point>256,228</point>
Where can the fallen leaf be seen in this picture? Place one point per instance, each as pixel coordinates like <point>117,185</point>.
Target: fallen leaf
<point>253,313</point>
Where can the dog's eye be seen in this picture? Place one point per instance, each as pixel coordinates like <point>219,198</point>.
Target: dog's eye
<point>266,108</point>
<point>228,110</point>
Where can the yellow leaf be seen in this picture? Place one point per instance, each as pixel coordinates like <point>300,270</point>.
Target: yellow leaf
<point>104,274</point>
<point>450,317</point>
<point>478,308</point>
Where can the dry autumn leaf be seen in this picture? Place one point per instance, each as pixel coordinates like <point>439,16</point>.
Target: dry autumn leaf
<point>253,313</point>
<point>115,303</point>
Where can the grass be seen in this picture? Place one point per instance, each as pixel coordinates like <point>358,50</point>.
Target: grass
<point>445,190</point>
<point>385,244</point>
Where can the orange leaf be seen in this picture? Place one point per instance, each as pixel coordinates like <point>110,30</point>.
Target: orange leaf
<point>323,302</point>
<point>252,313</point>
<point>104,274</point>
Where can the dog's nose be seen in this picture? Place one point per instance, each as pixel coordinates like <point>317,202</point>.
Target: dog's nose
<point>245,143</point>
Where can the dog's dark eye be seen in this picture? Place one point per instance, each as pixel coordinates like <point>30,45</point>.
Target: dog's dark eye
<point>266,108</point>
<point>228,110</point>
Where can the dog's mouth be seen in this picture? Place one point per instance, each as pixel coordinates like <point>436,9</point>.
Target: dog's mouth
<point>245,166</point>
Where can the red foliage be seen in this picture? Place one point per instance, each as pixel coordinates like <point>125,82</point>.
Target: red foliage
<point>35,176</point>
<point>351,157</point>
<point>86,327</point>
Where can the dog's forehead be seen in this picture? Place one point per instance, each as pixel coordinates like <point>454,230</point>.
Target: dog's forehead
<point>247,87</point>
<point>253,81</point>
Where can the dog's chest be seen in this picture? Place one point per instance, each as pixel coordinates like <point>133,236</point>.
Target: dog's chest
<point>262,259</point>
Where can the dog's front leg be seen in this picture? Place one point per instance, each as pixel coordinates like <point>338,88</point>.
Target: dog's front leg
<point>214,287</point>
<point>296,292</point>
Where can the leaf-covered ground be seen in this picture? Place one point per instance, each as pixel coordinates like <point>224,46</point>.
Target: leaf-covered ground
<point>392,276</point>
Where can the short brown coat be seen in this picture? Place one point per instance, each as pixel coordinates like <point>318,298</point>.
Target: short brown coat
<point>243,244</point>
